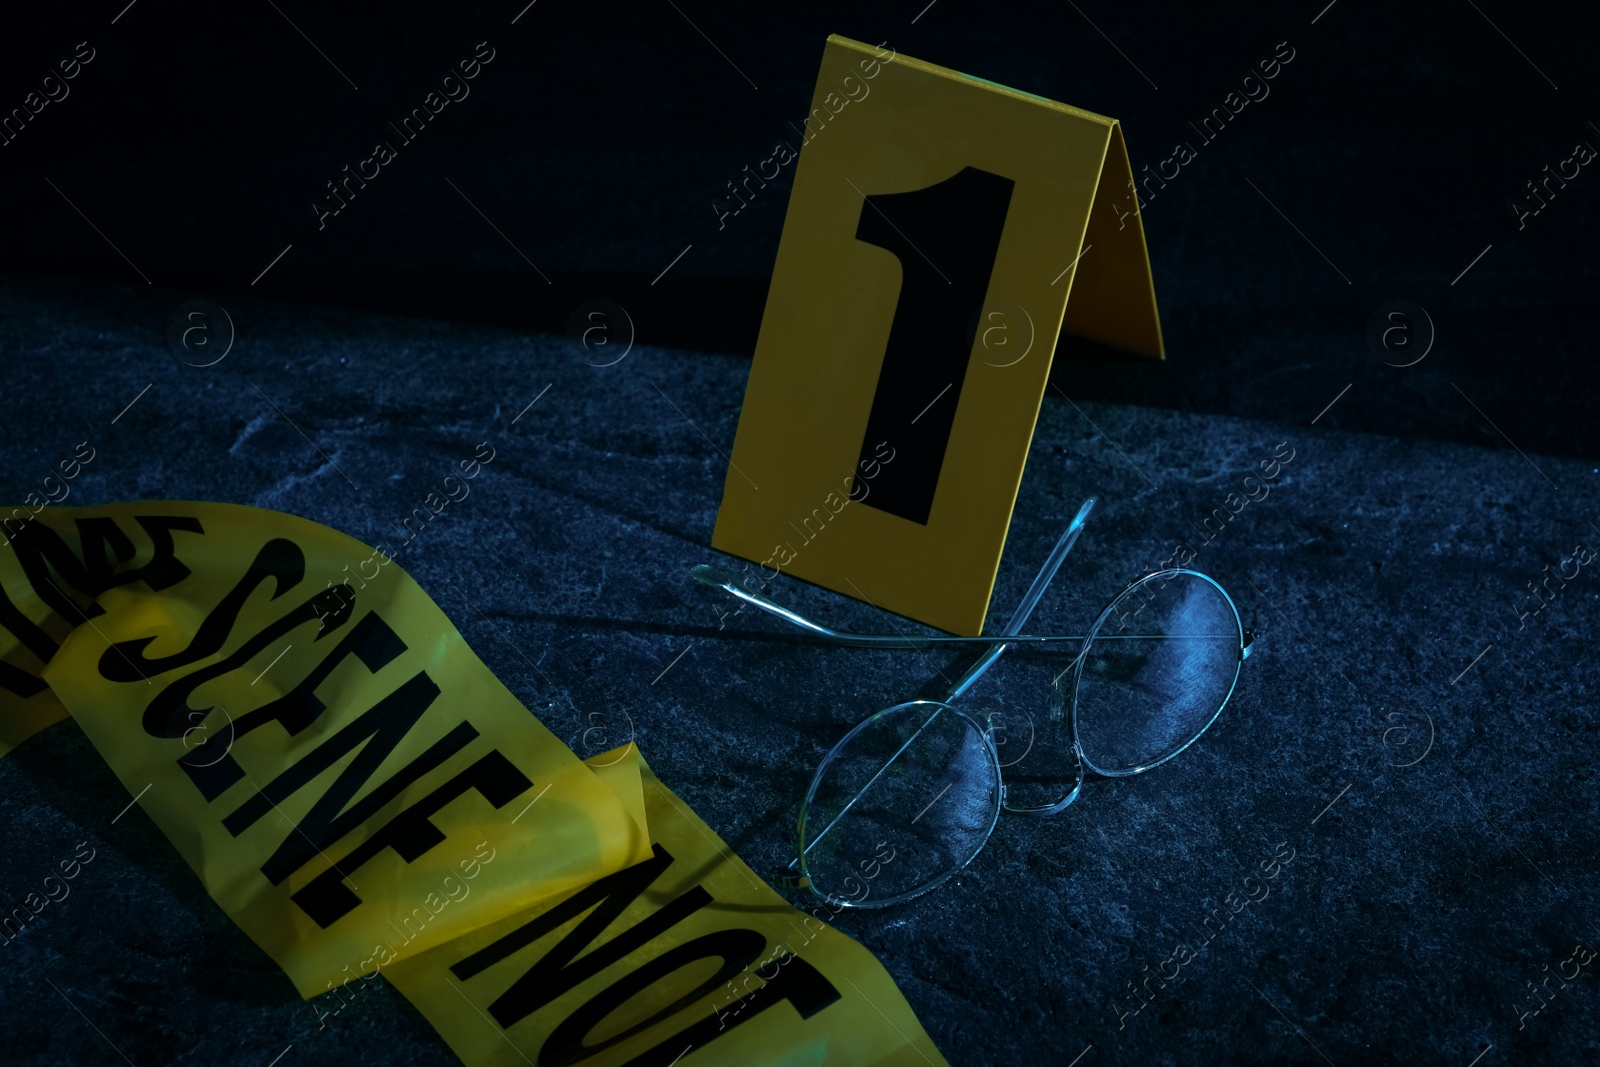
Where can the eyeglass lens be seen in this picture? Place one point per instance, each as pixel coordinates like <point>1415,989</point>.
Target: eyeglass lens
<point>920,782</point>
<point>905,800</point>
<point>1162,662</point>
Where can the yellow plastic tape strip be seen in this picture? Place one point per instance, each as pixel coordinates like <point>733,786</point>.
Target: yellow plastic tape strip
<point>685,958</point>
<point>323,750</point>
<point>344,775</point>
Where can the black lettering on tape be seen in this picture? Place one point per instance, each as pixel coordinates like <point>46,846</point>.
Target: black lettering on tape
<point>164,568</point>
<point>378,732</point>
<point>561,969</point>
<point>96,536</point>
<point>28,632</point>
<point>737,948</point>
<point>797,982</point>
<point>16,680</point>
<point>371,640</point>
<point>411,833</point>
<point>41,551</point>
<point>279,559</point>
<point>557,971</point>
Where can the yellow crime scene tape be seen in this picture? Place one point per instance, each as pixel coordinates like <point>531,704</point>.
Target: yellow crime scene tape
<point>361,795</point>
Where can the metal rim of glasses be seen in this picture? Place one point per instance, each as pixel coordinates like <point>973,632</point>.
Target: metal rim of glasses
<point>1081,757</point>
<point>1244,640</point>
<point>802,869</point>
<point>798,873</point>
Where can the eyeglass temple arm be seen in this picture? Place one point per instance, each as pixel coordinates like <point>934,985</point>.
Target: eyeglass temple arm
<point>706,574</point>
<point>1019,619</point>
<point>712,576</point>
<point>1030,599</point>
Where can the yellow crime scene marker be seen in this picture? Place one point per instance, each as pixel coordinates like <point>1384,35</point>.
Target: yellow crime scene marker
<point>942,232</point>
<point>335,764</point>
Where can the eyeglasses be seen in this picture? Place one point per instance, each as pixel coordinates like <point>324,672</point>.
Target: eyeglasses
<point>908,797</point>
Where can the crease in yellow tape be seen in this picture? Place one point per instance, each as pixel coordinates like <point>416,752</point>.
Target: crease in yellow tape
<point>359,793</point>
<point>686,957</point>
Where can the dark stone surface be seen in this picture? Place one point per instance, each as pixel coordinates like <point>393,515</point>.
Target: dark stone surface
<point>1440,805</point>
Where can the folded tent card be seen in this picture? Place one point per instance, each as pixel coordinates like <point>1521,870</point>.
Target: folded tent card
<point>938,225</point>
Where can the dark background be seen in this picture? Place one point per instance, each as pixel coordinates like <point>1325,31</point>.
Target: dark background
<point>1427,750</point>
<point>599,137</point>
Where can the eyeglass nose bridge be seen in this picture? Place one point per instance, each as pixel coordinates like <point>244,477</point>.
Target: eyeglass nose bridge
<point>1059,806</point>
<point>1078,775</point>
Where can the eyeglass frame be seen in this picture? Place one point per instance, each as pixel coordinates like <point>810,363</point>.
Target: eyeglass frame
<point>796,875</point>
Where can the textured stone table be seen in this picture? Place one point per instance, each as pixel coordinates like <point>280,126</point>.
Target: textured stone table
<point>1409,728</point>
